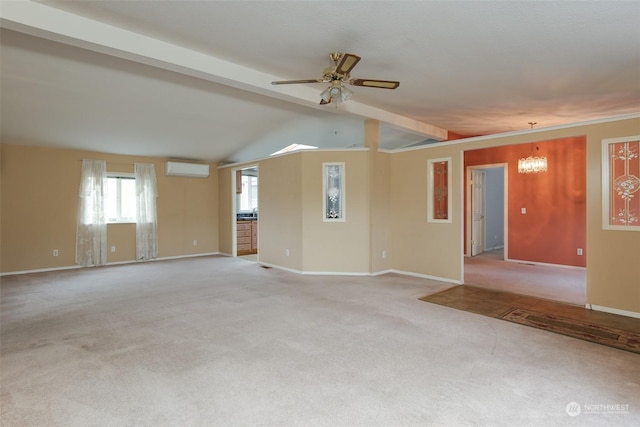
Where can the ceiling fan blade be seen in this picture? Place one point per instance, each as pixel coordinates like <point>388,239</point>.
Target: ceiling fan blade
<point>294,82</point>
<point>347,62</point>
<point>383,84</point>
<point>325,102</point>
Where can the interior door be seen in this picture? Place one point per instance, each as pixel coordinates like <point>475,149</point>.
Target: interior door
<point>477,211</point>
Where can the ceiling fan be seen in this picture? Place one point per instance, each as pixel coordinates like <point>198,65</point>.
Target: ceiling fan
<point>338,74</point>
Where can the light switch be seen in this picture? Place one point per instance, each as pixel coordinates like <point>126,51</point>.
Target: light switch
<point>523,211</point>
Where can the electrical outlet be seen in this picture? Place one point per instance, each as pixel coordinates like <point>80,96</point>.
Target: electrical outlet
<point>523,211</point>
<point>579,251</point>
<point>286,252</point>
<point>195,243</point>
<point>113,248</point>
<point>384,254</point>
<point>55,252</point>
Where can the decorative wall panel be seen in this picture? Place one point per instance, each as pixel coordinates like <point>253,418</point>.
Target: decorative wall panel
<point>333,192</point>
<point>439,184</point>
<point>621,183</point>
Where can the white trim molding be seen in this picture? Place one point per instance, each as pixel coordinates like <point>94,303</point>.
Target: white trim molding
<point>612,310</point>
<point>76,267</point>
<point>427,276</point>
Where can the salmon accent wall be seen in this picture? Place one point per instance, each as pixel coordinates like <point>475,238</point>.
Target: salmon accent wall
<point>554,225</point>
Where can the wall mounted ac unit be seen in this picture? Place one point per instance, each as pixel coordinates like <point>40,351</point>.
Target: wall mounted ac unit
<point>186,169</point>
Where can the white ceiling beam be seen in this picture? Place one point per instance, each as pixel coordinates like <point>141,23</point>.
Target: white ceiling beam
<point>53,24</point>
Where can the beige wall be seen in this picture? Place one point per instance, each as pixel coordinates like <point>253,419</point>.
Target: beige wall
<point>40,204</point>
<point>290,213</point>
<point>386,210</point>
<point>431,249</point>
<point>379,200</point>
<point>280,211</point>
<point>226,194</point>
<point>335,246</point>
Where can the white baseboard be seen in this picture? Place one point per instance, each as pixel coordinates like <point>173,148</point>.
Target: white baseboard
<point>41,270</point>
<point>185,256</point>
<point>313,273</point>
<point>380,273</point>
<point>573,267</point>
<point>426,276</point>
<point>279,267</point>
<point>74,267</point>
<point>335,273</point>
<point>494,248</point>
<point>351,273</point>
<point>613,310</point>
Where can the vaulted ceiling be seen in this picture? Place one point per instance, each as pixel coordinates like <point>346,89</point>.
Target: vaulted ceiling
<point>192,79</point>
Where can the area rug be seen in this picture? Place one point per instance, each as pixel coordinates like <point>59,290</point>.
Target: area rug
<point>571,320</point>
<point>612,337</point>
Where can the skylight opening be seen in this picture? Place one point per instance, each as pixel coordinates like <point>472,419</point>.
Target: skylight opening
<point>294,147</point>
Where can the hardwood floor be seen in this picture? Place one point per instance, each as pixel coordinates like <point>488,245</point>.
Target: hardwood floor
<point>494,303</point>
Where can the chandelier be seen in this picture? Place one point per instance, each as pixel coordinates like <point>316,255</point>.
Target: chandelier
<point>532,164</point>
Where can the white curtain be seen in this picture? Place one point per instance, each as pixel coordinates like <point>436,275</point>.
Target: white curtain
<point>146,221</point>
<point>91,234</point>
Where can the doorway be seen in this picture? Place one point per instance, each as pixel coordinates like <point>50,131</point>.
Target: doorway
<point>487,213</point>
<point>246,215</point>
<point>487,262</point>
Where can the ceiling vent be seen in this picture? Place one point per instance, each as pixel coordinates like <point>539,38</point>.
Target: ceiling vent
<point>186,169</point>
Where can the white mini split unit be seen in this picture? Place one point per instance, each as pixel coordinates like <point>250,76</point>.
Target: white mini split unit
<point>186,169</point>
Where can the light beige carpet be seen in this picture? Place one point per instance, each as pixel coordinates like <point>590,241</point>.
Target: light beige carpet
<point>556,283</point>
<point>222,342</point>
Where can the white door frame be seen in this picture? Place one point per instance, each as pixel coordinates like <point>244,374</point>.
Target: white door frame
<point>478,211</point>
<point>234,214</point>
<point>467,213</point>
<point>234,208</point>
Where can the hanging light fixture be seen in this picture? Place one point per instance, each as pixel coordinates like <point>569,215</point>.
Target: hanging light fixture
<point>532,164</point>
<point>336,93</point>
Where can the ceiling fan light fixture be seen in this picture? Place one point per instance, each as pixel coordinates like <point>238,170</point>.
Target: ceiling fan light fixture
<point>326,95</point>
<point>335,91</point>
<point>345,93</point>
<point>337,75</point>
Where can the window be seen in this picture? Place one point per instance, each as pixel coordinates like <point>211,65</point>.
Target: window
<point>249,196</point>
<point>120,200</point>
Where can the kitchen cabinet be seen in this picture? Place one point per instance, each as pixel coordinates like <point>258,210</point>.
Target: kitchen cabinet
<point>238,181</point>
<point>247,237</point>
